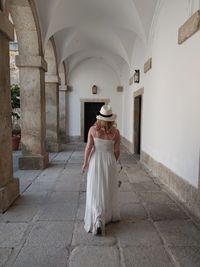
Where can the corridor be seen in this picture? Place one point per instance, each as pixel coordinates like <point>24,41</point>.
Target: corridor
<point>44,227</point>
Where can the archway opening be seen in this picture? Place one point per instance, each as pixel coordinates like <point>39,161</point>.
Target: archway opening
<point>15,96</point>
<point>29,60</point>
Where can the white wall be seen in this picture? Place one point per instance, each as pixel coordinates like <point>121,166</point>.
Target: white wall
<point>138,59</point>
<point>82,78</point>
<point>171,108</point>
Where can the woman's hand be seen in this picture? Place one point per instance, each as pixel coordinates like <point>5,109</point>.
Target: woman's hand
<point>84,167</point>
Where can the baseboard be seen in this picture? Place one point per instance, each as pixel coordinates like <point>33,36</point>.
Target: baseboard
<point>184,191</point>
<point>127,144</point>
<point>73,139</point>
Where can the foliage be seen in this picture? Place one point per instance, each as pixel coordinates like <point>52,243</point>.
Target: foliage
<point>15,100</point>
<point>16,132</point>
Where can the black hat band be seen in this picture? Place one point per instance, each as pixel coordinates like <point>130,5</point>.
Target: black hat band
<point>105,116</point>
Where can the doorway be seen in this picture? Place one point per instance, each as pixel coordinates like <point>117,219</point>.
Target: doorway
<point>137,124</point>
<point>91,109</point>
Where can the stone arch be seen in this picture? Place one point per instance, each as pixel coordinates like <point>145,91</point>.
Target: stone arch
<point>63,103</point>
<point>52,82</point>
<point>26,23</point>
<point>14,51</point>
<point>62,73</point>
<point>32,68</point>
<point>50,55</point>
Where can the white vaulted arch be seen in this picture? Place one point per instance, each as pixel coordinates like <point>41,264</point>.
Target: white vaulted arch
<point>115,62</point>
<point>110,26</point>
<point>80,41</point>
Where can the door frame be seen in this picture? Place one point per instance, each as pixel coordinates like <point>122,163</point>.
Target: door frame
<point>82,102</point>
<point>137,93</point>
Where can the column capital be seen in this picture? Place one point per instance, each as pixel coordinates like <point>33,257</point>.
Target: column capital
<point>49,78</point>
<point>26,61</point>
<point>6,27</point>
<point>63,87</point>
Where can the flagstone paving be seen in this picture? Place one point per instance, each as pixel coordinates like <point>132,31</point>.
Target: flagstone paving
<point>44,227</point>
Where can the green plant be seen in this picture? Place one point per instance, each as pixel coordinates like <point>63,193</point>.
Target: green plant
<point>16,132</point>
<point>15,100</point>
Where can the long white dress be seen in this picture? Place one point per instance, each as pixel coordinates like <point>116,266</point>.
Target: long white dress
<point>102,186</point>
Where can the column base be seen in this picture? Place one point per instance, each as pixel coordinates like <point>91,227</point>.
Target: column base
<point>63,139</point>
<point>34,162</point>
<point>53,147</point>
<point>8,194</point>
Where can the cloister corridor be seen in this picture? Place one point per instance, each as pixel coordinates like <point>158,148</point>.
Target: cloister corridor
<point>44,227</point>
<point>61,62</point>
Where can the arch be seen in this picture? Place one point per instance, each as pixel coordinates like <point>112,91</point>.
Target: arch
<point>52,81</point>
<point>87,40</point>
<point>31,72</point>
<point>63,103</point>
<point>26,23</point>
<point>101,60</point>
<point>62,73</point>
<point>106,62</point>
<point>115,61</point>
<point>154,20</point>
<point>70,16</point>
<point>14,70</point>
<point>50,55</point>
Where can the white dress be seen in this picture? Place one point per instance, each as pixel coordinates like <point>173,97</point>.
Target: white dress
<point>102,186</point>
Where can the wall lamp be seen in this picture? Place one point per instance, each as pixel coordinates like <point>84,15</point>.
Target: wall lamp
<point>136,76</point>
<point>94,89</point>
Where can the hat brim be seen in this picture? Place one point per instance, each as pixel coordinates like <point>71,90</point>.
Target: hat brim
<point>113,118</point>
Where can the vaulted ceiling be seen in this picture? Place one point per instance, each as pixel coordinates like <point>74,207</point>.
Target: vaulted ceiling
<point>104,29</point>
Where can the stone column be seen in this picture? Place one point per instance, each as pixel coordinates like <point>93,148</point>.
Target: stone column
<point>9,186</point>
<point>63,113</point>
<point>52,113</point>
<point>32,91</point>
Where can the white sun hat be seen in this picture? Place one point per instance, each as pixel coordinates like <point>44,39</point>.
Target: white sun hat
<point>106,114</point>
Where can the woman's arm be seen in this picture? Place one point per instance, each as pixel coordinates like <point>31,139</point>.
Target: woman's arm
<point>117,145</point>
<point>88,149</point>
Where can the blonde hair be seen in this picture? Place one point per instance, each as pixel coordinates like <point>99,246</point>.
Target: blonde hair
<point>106,126</point>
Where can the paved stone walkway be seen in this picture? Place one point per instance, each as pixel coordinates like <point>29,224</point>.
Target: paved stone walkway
<point>45,225</point>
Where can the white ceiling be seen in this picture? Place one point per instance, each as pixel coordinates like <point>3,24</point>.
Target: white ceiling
<point>104,29</point>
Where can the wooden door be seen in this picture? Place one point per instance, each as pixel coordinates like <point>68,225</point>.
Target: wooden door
<point>137,124</point>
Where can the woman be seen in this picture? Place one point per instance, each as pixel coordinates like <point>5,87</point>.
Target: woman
<point>101,154</point>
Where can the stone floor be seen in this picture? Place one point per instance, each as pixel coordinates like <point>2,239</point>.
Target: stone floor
<point>45,225</point>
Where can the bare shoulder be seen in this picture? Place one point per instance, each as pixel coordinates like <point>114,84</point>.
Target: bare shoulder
<point>92,130</point>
